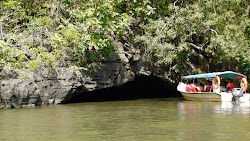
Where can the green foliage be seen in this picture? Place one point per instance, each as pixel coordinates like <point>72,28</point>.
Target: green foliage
<point>34,64</point>
<point>216,28</point>
<point>35,32</point>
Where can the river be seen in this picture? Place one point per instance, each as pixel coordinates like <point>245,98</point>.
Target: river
<point>143,120</point>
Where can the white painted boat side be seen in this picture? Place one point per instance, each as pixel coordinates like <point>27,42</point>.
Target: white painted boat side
<point>206,96</point>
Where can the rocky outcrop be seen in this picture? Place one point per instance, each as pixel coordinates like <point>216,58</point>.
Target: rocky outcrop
<point>52,86</point>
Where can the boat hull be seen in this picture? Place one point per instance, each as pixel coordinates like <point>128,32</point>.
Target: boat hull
<point>202,96</point>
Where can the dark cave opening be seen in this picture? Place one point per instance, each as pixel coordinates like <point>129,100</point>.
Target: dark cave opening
<point>143,87</point>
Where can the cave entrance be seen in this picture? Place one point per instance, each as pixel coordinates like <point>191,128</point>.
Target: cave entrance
<point>143,87</point>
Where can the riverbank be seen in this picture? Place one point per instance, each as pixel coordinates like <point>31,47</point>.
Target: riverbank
<point>47,86</point>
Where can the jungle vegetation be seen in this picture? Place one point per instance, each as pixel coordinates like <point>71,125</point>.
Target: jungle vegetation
<point>82,31</point>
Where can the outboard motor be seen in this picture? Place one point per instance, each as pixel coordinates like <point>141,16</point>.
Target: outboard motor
<point>237,93</point>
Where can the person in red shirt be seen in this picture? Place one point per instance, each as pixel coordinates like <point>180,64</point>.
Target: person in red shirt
<point>207,87</point>
<point>194,86</point>
<point>230,85</point>
<point>188,87</point>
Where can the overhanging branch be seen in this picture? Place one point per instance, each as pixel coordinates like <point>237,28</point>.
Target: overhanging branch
<point>195,46</point>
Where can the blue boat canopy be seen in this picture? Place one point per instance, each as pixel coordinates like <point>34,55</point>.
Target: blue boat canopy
<point>226,74</point>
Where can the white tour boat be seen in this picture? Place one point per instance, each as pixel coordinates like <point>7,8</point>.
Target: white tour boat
<point>217,91</point>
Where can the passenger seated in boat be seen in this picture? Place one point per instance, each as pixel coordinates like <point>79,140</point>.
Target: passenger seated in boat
<point>230,85</point>
<point>223,86</point>
<point>194,86</point>
<point>200,87</point>
<point>207,86</point>
<point>188,87</point>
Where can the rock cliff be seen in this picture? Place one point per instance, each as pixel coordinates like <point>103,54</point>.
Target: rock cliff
<point>52,86</point>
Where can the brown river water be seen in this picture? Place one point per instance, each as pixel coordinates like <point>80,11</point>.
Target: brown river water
<point>142,120</point>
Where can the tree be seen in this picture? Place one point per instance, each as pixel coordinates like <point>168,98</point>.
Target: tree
<point>47,31</point>
<point>219,30</point>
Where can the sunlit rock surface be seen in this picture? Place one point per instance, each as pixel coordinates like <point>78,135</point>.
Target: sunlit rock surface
<point>52,86</point>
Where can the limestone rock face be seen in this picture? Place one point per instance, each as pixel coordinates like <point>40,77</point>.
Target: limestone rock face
<point>52,86</point>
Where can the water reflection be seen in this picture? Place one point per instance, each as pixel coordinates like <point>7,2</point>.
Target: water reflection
<point>227,108</point>
<point>214,120</point>
<point>190,108</point>
<point>152,119</point>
